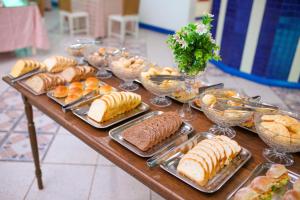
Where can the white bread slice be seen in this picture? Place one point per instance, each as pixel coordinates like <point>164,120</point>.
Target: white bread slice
<point>219,149</point>
<point>97,110</point>
<point>212,155</point>
<point>234,145</point>
<point>201,161</point>
<point>193,170</point>
<point>206,157</point>
<point>207,144</point>
<point>228,152</point>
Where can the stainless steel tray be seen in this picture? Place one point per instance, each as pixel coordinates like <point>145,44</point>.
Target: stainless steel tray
<point>143,107</point>
<point>261,170</point>
<point>214,184</point>
<point>192,104</point>
<point>116,135</point>
<point>61,101</point>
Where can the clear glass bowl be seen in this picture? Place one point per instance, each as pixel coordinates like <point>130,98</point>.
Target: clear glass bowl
<point>280,145</point>
<point>128,68</point>
<point>161,90</point>
<point>98,57</point>
<point>224,119</point>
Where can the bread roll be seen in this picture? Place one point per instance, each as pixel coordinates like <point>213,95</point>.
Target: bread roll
<point>71,98</point>
<point>91,81</point>
<point>60,91</point>
<point>76,85</point>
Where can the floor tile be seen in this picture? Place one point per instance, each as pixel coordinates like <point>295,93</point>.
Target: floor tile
<point>114,183</point>
<point>9,118</point>
<point>62,182</point>
<point>63,131</point>
<point>291,97</point>
<point>2,136</point>
<point>69,149</point>
<point>16,179</point>
<point>11,99</point>
<point>43,123</point>
<point>17,147</point>
<point>104,161</point>
<point>155,196</point>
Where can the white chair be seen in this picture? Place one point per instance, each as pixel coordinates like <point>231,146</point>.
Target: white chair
<point>123,20</point>
<point>73,20</point>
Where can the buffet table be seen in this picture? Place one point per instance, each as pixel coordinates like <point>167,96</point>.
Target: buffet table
<point>156,179</point>
<point>22,27</point>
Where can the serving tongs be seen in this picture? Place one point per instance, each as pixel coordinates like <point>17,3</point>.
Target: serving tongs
<point>77,102</point>
<point>27,75</point>
<point>160,78</point>
<point>247,104</point>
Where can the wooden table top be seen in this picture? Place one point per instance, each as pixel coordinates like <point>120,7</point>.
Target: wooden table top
<point>157,179</point>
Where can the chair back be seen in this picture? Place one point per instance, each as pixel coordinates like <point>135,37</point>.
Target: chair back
<point>130,7</point>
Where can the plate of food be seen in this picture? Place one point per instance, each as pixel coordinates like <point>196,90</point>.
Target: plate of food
<point>68,94</point>
<point>111,108</point>
<point>268,182</point>
<point>150,133</point>
<point>206,161</point>
<point>43,82</point>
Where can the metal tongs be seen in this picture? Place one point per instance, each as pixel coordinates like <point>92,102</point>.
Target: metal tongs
<point>246,104</point>
<point>77,102</point>
<point>160,78</point>
<point>27,75</point>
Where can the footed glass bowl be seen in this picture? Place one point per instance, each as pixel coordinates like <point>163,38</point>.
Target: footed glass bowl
<point>223,118</point>
<point>281,143</point>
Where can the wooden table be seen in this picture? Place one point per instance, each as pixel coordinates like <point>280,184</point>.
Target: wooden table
<point>156,179</point>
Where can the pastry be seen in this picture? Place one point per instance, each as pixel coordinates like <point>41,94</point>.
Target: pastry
<point>77,73</point>
<point>76,85</point>
<point>209,99</point>
<point>24,66</point>
<point>75,90</point>
<point>113,104</point>
<point>56,64</point>
<point>60,91</point>
<point>207,158</point>
<point>72,97</point>
<point>152,131</point>
<point>106,89</point>
<point>92,81</point>
<point>263,185</point>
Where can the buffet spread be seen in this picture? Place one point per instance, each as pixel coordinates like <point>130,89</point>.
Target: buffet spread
<point>205,161</point>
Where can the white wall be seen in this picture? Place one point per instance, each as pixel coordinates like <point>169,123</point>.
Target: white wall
<point>202,7</point>
<point>168,14</point>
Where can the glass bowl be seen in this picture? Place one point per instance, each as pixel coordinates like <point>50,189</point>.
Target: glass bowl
<point>98,57</point>
<point>78,48</point>
<point>223,118</point>
<point>163,89</point>
<point>128,68</point>
<point>280,141</point>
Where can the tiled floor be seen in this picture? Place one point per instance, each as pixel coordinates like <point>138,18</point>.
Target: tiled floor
<point>72,170</point>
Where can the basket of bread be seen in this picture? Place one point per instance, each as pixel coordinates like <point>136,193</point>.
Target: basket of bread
<point>281,132</point>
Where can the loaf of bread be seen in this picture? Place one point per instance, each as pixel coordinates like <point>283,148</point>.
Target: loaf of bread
<point>56,64</point>
<point>113,104</point>
<point>44,82</point>
<point>77,73</point>
<point>152,131</point>
<point>203,161</point>
<point>24,66</point>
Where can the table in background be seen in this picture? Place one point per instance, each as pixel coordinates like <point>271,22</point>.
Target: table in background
<point>156,179</point>
<point>22,27</point>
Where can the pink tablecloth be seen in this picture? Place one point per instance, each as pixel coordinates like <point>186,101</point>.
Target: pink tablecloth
<point>22,27</point>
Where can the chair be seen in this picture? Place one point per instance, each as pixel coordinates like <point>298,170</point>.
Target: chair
<point>130,9</point>
<point>73,20</point>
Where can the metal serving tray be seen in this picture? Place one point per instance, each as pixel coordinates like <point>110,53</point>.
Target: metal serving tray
<point>23,84</point>
<point>61,101</point>
<point>116,134</point>
<point>261,170</point>
<point>193,105</point>
<point>170,164</point>
<point>84,106</point>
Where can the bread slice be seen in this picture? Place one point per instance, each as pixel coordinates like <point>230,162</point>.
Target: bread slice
<point>97,110</point>
<point>208,160</point>
<point>193,170</point>
<point>233,144</point>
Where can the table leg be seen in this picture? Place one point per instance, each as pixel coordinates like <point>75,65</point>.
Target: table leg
<point>33,141</point>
